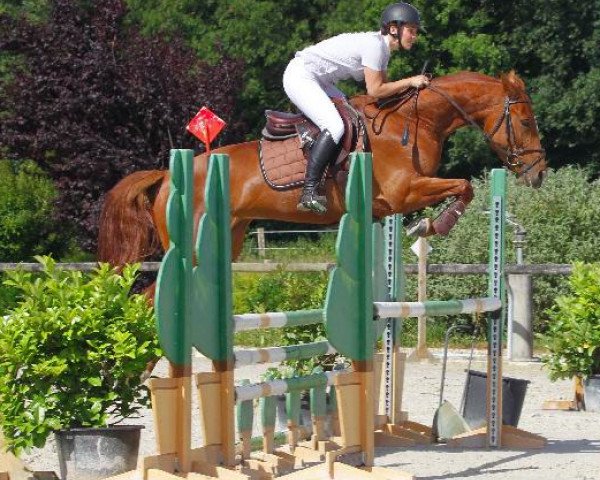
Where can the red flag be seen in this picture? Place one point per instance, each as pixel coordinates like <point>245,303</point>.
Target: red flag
<point>205,126</point>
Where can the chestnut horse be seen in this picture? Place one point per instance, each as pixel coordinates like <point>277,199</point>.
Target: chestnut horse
<point>404,178</point>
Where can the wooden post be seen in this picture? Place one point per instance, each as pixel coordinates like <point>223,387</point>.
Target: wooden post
<point>260,237</point>
<point>421,352</point>
<point>422,296</point>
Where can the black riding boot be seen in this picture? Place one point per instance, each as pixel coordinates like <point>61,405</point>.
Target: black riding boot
<point>321,153</point>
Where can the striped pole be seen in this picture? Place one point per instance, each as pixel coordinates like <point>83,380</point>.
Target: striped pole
<point>255,356</point>
<point>279,387</point>
<point>433,308</point>
<point>255,321</point>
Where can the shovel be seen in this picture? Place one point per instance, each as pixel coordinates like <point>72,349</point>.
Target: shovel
<point>447,422</point>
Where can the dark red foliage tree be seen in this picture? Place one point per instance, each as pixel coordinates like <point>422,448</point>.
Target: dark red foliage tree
<point>92,101</point>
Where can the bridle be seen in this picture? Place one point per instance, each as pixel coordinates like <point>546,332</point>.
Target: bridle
<point>513,152</point>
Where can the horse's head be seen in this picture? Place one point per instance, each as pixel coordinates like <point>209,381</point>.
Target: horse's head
<point>512,132</point>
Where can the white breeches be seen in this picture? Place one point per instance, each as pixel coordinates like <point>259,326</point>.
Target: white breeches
<point>312,97</point>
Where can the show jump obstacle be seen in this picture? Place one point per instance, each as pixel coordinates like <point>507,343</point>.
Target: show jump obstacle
<point>194,309</point>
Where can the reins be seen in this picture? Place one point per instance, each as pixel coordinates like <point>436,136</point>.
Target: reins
<point>512,153</point>
<point>397,101</point>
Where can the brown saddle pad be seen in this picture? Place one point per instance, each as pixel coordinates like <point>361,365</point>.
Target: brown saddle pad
<point>283,161</point>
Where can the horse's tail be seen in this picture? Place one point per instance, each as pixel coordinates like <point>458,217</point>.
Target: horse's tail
<point>127,232</point>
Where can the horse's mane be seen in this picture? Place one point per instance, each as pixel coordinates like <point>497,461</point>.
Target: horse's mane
<point>462,77</point>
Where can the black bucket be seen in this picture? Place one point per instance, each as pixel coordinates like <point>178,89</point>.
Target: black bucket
<point>97,453</point>
<point>475,405</point>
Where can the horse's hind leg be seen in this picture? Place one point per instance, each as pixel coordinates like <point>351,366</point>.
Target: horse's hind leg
<point>238,231</point>
<point>426,191</point>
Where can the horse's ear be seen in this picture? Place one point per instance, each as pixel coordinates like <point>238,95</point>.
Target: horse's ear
<point>513,85</point>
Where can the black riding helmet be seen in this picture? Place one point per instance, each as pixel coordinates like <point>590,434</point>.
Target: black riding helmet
<point>400,13</point>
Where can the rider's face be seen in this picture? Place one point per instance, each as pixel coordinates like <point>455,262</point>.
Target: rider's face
<point>409,35</point>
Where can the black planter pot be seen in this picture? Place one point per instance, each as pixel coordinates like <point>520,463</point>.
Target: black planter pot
<point>591,395</point>
<point>97,453</point>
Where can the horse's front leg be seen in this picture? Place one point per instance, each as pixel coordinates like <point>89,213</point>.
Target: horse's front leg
<point>427,191</point>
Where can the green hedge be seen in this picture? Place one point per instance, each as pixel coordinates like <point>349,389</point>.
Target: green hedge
<point>561,223</point>
<point>27,226</point>
<point>561,220</point>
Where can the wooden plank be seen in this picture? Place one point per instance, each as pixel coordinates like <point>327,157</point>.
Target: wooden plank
<point>513,437</point>
<point>417,427</point>
<point>160,462</point>
<point>4,476</point>
<point>410,268</point>
<point>421,435</point>
<point>473,439</point>
<point>559,405</point>
<point>383,439</point>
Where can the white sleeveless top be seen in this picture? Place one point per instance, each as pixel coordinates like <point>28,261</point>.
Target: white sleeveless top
<point>345,56</point>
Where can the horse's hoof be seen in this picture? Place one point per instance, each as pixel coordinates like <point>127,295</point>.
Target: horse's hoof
<point>420,228</point>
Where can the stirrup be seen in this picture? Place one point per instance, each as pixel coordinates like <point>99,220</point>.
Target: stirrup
<point>312,203</point>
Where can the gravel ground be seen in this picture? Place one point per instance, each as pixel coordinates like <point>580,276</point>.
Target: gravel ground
<point>573,450</point>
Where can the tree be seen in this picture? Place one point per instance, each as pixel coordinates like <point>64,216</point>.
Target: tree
<point>95,101</point>
<point>265,34</point>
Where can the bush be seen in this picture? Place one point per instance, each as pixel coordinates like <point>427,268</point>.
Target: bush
<point>27,225</point>
<point>279,292</point>
<point>573,337</point>
<point>561,223</point>
<point>72,352</point>
<point>560,220</point>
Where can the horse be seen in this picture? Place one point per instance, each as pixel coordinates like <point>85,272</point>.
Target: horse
<point>404,176</point>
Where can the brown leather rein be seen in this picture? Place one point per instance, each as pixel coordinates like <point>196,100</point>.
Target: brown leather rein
<point>513,153</point>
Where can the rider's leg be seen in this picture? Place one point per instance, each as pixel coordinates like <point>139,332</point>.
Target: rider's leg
<point>322,153</point>
<point>307,92</point>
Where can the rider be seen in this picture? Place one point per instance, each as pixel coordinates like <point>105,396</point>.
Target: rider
<point>309,81</point>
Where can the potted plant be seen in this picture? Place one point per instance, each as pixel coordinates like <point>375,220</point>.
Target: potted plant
<point>573,336</point>
<point>71,355</point>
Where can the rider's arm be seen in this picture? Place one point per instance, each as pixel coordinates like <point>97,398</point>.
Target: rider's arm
<point>379,87</point>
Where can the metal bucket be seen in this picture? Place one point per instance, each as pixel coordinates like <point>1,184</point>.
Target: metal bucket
<point>474,407</point>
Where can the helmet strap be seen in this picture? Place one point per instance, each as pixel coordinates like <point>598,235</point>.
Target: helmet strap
<point>399,29</point>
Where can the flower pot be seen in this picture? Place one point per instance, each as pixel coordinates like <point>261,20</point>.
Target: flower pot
<point>97,453</point>
<point>591,395</point>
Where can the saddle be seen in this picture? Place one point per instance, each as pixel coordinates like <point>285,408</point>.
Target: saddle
<point>288,137</point>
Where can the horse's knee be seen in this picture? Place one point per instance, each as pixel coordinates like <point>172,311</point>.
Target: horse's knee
<point>466,192</point>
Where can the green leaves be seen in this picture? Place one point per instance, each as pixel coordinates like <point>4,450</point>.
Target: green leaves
<point>26,203</point>
<point>573,337</point>
<point>72,351</point>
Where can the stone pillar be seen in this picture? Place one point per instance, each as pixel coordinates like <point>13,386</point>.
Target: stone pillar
<point>520,302</point>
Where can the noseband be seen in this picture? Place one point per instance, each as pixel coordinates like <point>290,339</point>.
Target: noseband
<point>513,153</point>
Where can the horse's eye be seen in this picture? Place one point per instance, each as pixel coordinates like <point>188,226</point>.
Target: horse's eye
<point>526,122</point>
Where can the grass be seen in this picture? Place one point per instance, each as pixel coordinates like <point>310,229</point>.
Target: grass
<point>314,248</point>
